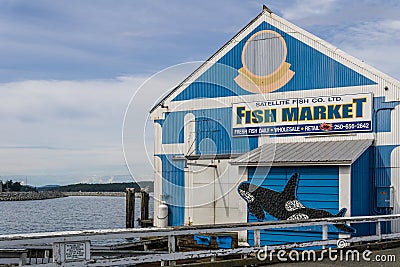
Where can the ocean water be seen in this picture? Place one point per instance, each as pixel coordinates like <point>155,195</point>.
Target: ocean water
<point>64,214</point>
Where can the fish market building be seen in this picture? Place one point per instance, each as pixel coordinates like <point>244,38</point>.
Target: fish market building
<point>278,124</point>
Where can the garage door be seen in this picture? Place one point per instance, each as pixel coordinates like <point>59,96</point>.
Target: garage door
<point>317,188</point>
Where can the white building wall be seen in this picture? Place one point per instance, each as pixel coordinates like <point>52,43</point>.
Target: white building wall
<point>395,172</point>
<point>211,193</point>
<point>157,172</point>
<point>345,192</point>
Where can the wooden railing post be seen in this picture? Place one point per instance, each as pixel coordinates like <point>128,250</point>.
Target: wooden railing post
<point>324,234</point>
<point>244,257</point>
<point>378,229</point>
<point>172,247</point>
<point>257,238</point>
<point>23,258</point>
<point>171,244</point>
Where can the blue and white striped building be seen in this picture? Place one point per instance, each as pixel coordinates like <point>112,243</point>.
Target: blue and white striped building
<point>273,101</point>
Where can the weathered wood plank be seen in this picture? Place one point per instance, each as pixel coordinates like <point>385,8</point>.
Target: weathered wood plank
<point>171,244</point>
<point>378,229</point>
<point>226,263</point>
<point>257,238</point>
<point>216,253</point>
<point>220,253</point>
<point>70,236</point>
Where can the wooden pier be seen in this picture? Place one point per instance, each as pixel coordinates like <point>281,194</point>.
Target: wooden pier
<point>78,248</point>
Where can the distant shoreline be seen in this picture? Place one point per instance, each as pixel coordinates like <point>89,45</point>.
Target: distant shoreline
<point>98,194</point>
<point>95,194</point>
<point>41,195</point>
<point>26,196</point>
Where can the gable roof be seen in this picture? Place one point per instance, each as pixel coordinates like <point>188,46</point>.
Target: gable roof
<point>210,59</point>
<point>370,73</point>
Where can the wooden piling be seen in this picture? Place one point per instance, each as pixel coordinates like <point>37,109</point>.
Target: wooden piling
<point>145,221</point>
<point>130,207</point>
<point>144,205</point>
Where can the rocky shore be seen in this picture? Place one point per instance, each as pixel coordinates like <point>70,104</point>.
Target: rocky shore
<point>21,196</point>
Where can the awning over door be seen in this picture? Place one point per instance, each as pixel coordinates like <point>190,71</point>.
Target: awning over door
<point>304,153</point>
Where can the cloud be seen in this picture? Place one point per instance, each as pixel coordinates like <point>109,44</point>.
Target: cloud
<point>69,40</point>
<point>64,127</point>
<point>376,42</point>
<point>72,129</point>
<point>302,9</point>
<point>377,32</point>
<point>96,39</point>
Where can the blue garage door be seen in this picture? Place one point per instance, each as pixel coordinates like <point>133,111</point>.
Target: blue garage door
<point>318,188</point>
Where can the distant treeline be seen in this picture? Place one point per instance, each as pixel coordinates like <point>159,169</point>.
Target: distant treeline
<point>10,186</point>
<point>112,187</point>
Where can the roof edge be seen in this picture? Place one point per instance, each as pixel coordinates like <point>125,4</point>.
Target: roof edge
<point>344,58</point>
<point>294,163</point>
<point>265,9</point>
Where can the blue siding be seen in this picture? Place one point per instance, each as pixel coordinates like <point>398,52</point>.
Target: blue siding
<point>211,137</point>
<point>371,170</point>
<point>306,62</point>
<point>382,114</point>
<point>383,164</point>
<point>318,188</point>
<point>362,191</point>
<point>383,176</point>
<point>213,132</point>
<point>173,189</point>
<point>172,128</point>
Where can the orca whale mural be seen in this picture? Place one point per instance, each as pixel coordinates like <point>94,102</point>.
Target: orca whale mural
<point>284,205</point>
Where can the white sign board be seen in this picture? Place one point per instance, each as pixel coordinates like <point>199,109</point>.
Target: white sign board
<point>75,251</point>
<point>345,113</point>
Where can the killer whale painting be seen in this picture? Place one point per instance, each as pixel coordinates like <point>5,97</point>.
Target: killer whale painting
<point>284,205</point>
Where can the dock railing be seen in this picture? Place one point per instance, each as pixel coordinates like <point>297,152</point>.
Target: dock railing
<point>73,248</point>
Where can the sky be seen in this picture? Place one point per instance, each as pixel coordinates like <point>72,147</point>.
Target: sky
<point>69,69</point>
